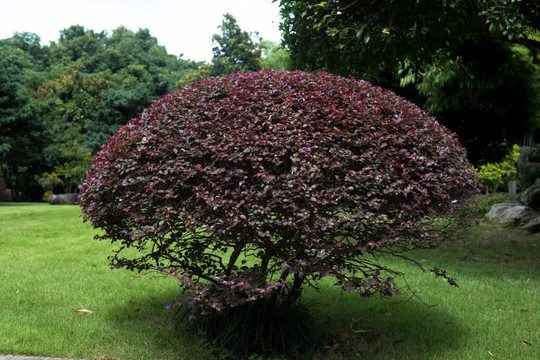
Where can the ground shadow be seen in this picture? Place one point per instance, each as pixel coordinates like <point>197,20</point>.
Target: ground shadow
<point>152,323</point>
<point>349,327</point>
<point>360,328</point>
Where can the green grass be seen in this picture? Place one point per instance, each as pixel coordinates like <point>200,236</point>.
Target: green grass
<point>495,308</point>
<point>51,266</point>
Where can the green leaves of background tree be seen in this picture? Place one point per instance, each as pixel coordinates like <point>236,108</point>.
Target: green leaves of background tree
<point>20,140</point>
<point>458,58</point>
<point>407,34</point>
<point>235,50</point>
<point>77,90</point>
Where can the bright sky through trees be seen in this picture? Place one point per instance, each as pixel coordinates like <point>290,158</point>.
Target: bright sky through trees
<point>182,26</point>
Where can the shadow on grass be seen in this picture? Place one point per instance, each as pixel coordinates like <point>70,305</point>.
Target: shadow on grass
<point>357,328</point>
<point>376,329</point>
<point>151,324</point>
<point>351,327</point>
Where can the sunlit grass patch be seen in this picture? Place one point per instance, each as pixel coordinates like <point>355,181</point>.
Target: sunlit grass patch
<point>50,266</point>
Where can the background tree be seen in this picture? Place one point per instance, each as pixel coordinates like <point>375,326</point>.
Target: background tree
<point>21,134</point>
<point>49,181</point>
<point>37,58</point>
<point>457,52</point>
<point>69,104</point>
<point>275,56</point>
<point>75,92</point>
<point>78,159</point>
<point>78,44</point>
<point>362,37</point>
<point>234,49</point>
<point>138,70</point>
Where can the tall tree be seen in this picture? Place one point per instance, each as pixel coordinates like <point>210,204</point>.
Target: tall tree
<point>456,53</point>
<point>78,44</point>
<point>234,49</point>
<point>359,37</point>
<point>70,102</point>
<point>35,55</point>
<point>275,56</point>
<point>21,140</point>
<point>136,68</point>
<point>82,88</point>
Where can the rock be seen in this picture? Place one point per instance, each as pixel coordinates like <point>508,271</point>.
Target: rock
<point>63,199</point>
<point>532,226</point>
<point>528,164</point>
<point>522,212</point>
<point>530,196</point>
<point>529,159</point>
<point>511,212</point>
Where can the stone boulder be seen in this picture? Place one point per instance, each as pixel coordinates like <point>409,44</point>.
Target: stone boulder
<point>530,196</point>
<point>525,211</point>
<point>529,159</point>
<point>516,213</point>
<point>511,212</point>
<point>63,199</point>
<point>532,226</point>
<point>528,164</point>
<point>5,195</point>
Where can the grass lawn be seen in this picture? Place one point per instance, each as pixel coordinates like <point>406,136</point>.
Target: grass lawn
<point>50,266</point>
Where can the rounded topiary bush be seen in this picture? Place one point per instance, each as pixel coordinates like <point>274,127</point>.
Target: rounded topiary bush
<point>253,185</point>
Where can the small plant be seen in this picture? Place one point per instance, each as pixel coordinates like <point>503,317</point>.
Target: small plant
<point>48,181</point>
<point>253,186</point>
<point>494,175</point>
<point>73,171</point>
<point>47,195</point>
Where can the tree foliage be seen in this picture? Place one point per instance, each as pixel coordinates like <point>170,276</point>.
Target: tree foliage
<point>235,50</point>
<point>494,175</point>
<point>71,94</point>
<point>20,141</point>
<point>458,55</point>
<point>253,185</point>
<point>70,102</point>
<point>363,37</point>
<point>275,56</point>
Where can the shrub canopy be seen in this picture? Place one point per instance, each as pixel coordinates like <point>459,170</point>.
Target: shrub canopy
<point>253,185</point>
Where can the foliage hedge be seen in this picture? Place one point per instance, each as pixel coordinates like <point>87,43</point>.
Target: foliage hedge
<point>253,185</point>
<point>494,175</point>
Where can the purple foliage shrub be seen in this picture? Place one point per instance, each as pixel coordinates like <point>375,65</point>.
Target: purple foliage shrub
<point>255,185</point>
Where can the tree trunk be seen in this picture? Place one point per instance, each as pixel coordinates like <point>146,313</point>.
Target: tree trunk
<point>296,289</point>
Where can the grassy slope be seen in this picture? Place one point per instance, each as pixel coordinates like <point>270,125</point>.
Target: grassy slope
<point>50,266</point>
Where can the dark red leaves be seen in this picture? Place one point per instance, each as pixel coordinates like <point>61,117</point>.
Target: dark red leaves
<point>302,172</point>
